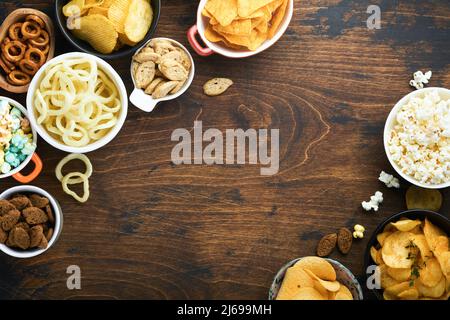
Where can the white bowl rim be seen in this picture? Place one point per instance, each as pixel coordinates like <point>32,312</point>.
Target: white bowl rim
<point>113,75</point>
<point>58,221</point>
<point>186,85</point>
<point>230,53</point>
<point>24,111</point>
<point>388,125</point>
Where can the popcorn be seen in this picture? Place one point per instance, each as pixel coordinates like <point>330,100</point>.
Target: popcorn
<point>389,180</point>
<point>420,79</point>
<point>420,140</point>
<point>359,231</point>
<point>374,202</point>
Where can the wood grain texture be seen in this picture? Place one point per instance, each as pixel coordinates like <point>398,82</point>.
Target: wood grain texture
<point>153,230</point>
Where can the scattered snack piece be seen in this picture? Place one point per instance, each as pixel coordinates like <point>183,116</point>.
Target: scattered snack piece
<point>217,86</point>
<point>419,140</point>
<point>26,227</point>
<point>420,79</point>
<point>389,180</point>
<point>420,198</point>
<point>312,279</point>
<point>344,240</point>
<point>326,245</point>
<point>74,177</point>
<point>358,231</point>
<point>243,24</point>
<point>414,262</point>
<point>374,202</point>
<point>161,68</point>
<point>109,25</point>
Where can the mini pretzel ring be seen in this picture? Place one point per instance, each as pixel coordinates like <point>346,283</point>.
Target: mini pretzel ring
<point>9,53</point>
<point>42,40</point>
<point>15,31</point>
<point>35,18</point>
<point>9,64</point>
<point>30,30</point>
<point>28,66</point>
<point>18,78</point>
<point>35,55</point>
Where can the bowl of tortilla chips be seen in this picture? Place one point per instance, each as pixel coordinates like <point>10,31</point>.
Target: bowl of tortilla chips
<point>239,28</point>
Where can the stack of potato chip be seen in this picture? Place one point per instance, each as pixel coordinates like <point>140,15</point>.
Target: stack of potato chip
<point>107,25</point>
<point>414,261</point>
<point>312,278</point>
<point>243,24</point>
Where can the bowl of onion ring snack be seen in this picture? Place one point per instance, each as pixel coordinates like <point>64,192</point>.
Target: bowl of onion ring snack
<point>77,102</point>
<point>27,41</point>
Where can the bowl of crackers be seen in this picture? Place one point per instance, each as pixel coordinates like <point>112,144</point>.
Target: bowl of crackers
<point>315,278</point>
<point>162,70</point>
<point>31,221</point>
<point>410,257</point>
<point>109,29</point>
<point>239,28</point>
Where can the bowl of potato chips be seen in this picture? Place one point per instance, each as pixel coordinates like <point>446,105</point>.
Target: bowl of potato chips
<point>411,253</point>
<point>239,28</point>
<point>315,278</point>
<point>109,29</point>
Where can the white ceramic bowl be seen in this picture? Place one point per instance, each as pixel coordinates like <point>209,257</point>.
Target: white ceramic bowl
<point>32,157</point>
<point>220,48</point>
<point>390,122</point>
<point>58,221</point>
<point>144,101</point>
<point>112,74</point>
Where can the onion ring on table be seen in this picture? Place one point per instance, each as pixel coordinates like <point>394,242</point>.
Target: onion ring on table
<point>30,30</point>
<point>71,157</point>
<point>9,53</point>
<point>28,66</point>
<point>18,78</point>
<point>85,180</point>
<point>35,18</point>
<point>15,32</point>
<point>35,55</point>
<point>42,40</point>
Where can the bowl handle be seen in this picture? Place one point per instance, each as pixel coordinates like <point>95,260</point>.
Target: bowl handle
<point>192,38</point>
<point>142,100</point>
<point>33,175</point>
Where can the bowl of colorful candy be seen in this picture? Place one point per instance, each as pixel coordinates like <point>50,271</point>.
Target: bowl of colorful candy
<point>17,142</point>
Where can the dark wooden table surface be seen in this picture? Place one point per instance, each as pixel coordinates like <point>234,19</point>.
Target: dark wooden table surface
<point>154,230</point>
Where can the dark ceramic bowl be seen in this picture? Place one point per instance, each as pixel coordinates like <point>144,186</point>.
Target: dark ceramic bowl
<point>86,47</point>
<point>435,218</point>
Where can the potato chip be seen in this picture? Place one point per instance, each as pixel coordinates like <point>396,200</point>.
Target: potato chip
<point>320,267</point>
<point>73,8</point>
<point>431,292</point>
<point>430,272</point>
<point>397,288</point>
<point>399,274</point>
<point>247,7</point>
<point>117,13</point>
<point>387,296</point>
<point>374,254</point>
<point>277,19</point>
<point>124,39</point>
<point>308,293</point>
<point>323,292</point>
<point>99,10</point>
<point>398,249</point>
<point>382,236</point>
<point>420,198</point>
<point>343,294</point>
<point>224,11</point>
<point>406,225</point>
<point>444,262</point>
<point>139,20</point>
<point>332,286</point>
<point>107,3</point>
<point>421,243</point>
<point>410,294</point>
<point>98,31</point>
<point>432,233</point>
<point>294,279</point>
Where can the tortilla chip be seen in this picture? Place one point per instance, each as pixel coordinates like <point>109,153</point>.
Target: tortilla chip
<point>277,19</point>
<point>247,7</point>
<point>224,11</point>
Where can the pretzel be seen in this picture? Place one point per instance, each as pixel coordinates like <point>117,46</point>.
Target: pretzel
<point>28,66</point>
<point>4,66</point>
<point>35,55</point>
<point>30,30</point>
<point>10,54</point>
<point>35,18</point>
<point>18,78</point>
<point>42,40</point>
<point>44,49</point>
<point>9,64</point>
<point>14,31</point>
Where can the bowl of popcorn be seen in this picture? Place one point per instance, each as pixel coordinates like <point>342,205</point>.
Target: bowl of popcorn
<point>17,142</point>
<point>417,138</point>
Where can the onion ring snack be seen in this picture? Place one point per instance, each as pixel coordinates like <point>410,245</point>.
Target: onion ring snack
<point>76,102</point>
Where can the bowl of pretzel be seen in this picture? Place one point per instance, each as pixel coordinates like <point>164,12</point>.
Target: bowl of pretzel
<point>27,41</point>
